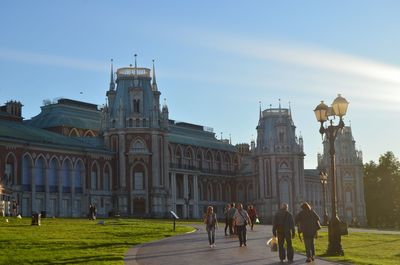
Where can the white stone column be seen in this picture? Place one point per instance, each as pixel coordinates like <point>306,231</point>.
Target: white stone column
<point>59,172</point>
<point>195,197</point>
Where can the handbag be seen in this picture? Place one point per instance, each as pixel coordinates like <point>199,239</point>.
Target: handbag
<point>273,243</point>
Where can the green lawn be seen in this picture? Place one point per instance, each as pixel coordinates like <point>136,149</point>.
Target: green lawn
<point>360,248</point>
<point>77,241</point>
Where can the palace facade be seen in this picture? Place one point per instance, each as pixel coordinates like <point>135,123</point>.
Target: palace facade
<point>130,159</point>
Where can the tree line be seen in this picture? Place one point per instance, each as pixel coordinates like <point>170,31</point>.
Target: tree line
<point>382,191</point>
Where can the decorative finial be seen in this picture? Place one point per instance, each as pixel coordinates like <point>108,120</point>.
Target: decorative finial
<point>135,61</point>
<point>279,104</point>
<point>230,139</point>
<point>259,102</point>
<point>221,136</point>
<point>270,106</point>
<point>290,110</point>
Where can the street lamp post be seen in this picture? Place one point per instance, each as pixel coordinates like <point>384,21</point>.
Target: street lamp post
<point>324,113</point>
<point>324,181</point>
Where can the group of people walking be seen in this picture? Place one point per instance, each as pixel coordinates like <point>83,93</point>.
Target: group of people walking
<point>237,219</point>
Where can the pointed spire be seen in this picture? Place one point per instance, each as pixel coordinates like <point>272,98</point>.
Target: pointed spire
<point>112,84</point>
<point>154,84</point>
<point>230,139</point>
<point>260,109</point>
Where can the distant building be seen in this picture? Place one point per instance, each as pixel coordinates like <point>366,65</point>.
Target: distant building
<point>130,159</point>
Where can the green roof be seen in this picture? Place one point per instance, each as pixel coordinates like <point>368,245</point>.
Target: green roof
<point>68,113</point>
<point>17,131</point>
<point>196,137</point>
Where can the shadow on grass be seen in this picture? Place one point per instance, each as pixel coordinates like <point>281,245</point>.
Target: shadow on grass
<point>81,260</point>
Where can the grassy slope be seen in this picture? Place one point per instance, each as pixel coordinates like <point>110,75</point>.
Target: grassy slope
<point>66,241</point>
<point>360,248</point>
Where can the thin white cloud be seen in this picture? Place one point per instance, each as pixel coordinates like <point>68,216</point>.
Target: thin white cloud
<point>305,56</point>
<point>50,60</point>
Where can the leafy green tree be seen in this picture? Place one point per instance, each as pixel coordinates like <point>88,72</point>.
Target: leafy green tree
<point>382,191</point>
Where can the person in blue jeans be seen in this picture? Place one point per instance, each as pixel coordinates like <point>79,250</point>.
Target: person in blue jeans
<point>211,222</point>
<point>283,228</point>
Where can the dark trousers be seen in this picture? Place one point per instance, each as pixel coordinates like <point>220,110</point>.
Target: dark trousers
<point>230,223</point>
<point>226,225</point>
<point>281,247</point>
<point>241,230</point>
<point>309,244</point>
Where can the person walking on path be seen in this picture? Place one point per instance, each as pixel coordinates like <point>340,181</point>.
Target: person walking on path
<point>231,213</point>
<point>253,215</point>
<point>308,223</point>
<point>211,222</point>
<point>227,208</point>
<point>242,219</point>
<point>283,228</point>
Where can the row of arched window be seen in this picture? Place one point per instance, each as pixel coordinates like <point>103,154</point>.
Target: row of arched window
<point>189,157</point>
<point>58,174</point>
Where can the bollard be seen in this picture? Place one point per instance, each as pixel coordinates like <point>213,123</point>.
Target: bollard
<point>35,219</point>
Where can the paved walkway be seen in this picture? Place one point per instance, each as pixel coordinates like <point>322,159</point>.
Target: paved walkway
<point>193,249</point>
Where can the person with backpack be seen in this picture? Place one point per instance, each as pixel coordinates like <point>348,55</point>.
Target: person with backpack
<point>283,228</point>
<point>308,223</point>
<point>210,219</point>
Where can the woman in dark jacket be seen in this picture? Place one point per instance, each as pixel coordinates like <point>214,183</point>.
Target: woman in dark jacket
<point>308,222</point>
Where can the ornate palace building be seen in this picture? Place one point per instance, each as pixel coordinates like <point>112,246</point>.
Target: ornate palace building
<point>130,159</point>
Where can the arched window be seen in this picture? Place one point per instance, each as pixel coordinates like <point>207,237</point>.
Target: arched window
<point>94,174</point>
<point>179,156</point>
<point>66,176</point>
<point>138,177</point>
<point>199,159</point>
<point>138,146</point>
<point>53,176</point>
<point>240,193</point>
<point>219,162</point>
<point>27,173</point>
<point>107,178</point>
<point>208,161</point>
<point>79,177</point>
<point>228,196</point>
<point>10,168</point>
<point>40,177</point>
<point>284,192</point>
<point>136,105</point>
<point>188,160</point>
<point>209,192</point>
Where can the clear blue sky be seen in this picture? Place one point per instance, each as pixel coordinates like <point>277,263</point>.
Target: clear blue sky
<point>215,60</point>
